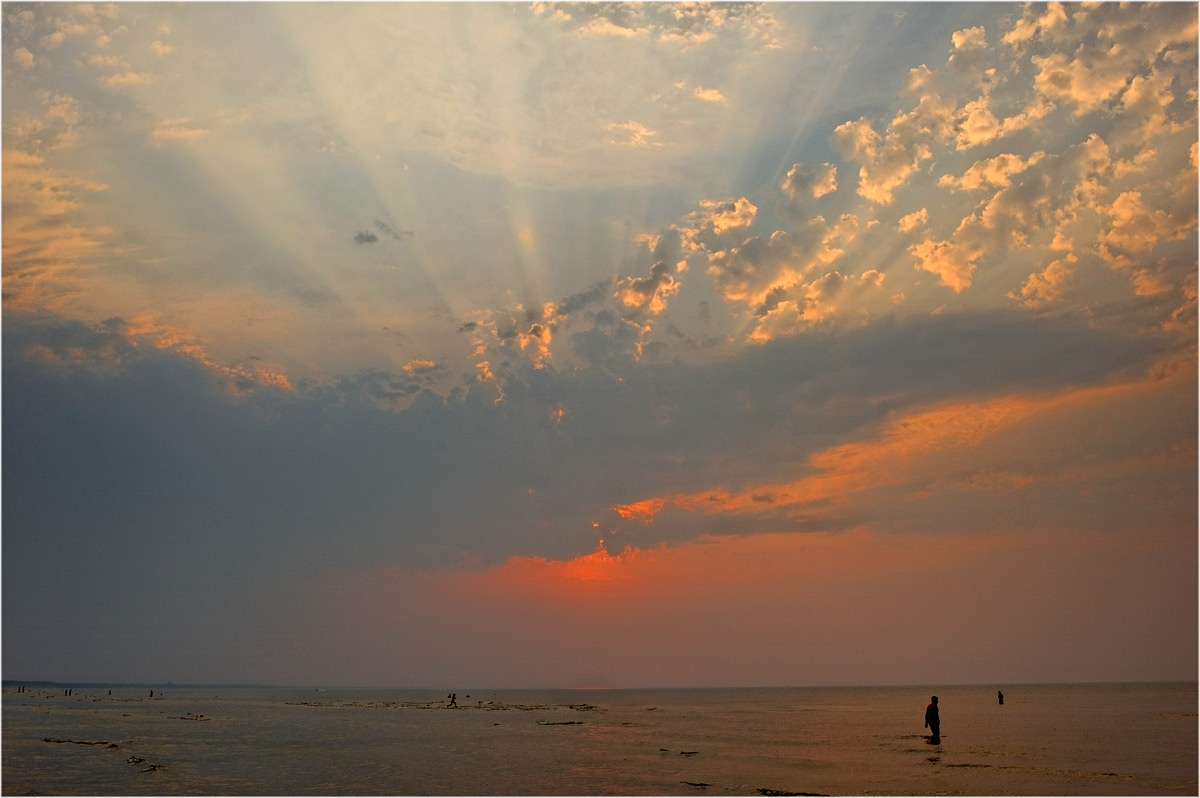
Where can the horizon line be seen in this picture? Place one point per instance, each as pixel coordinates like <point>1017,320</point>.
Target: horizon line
<point>6,683</point>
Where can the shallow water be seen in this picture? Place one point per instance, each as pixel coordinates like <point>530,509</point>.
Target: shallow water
<point>1045,740</point>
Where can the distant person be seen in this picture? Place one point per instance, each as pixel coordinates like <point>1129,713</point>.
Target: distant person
<point>933,722</point>
<point>1000,696</point>
<point>454,700</point>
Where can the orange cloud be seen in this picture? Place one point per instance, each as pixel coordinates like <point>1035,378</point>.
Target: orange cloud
<point>996,172</point>
<point>918,448</point>
<point>644,510</point>
<point>238,377</point>
<point>952,261</point>
<point>418,366</point>
<point>1135,228</point>
<point>1048,284</point>
<point>45,250</point>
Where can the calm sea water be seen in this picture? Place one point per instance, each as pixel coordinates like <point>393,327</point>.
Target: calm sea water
<point>1134,739</point>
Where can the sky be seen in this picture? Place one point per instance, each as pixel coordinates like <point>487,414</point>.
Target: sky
<point>599,345</point>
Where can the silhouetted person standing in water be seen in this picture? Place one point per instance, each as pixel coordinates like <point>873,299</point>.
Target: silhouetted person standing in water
<point>932,722</point>
<point>1000,696</point>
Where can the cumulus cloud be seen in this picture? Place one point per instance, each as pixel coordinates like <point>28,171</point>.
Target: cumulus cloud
<point>1113,45</point>
<point>992,172</point>
<point>953,261</point>
<point>716,220</point>
<point>889,160</point>
<point>633,134</point>
<point>797,308</point>
<point>709,95</point>
<point>969,52</point>
<point>912,221</point>
<point>806,182</point>
<point>750,272</point>
<point>524,335</point>
<point>1135,228</point>
<point>1048,21</point>
<point>648,294</point>
<point>1047,285</point>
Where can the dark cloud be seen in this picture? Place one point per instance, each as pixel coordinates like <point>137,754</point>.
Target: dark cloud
<point>365,237</point>
<point>392,231</point>
<point>136,476</point>
<point>595,295</point>
<point>294,465</point>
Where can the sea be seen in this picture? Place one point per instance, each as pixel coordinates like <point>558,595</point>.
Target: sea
<point>1081,739</point>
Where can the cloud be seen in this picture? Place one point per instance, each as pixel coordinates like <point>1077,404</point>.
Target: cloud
<point>170,130</point>
<point>417,457</point>
<point>392,231</point>
<point>634,134</point>
<point>46,244</point>
<point>969,53</point>
<point>238,378</point>
<point>1135,229</point>
<point>1048,22</point>
<point>57,126</point>
<point>709,95</point>
<point>792,309</point>
<point>130,78</point>
<point>1049,284</point>
<point>419,366</point>
<point>994,172</point>
<point>912,221</point>
<point>1113,44</point>
<point>715,223</point>
<point>888,161</point>
<point>805,182</point>
<point>651,318</point>
<point>933,455</point>
<point>750,272</point>
<point>648,294</point>
<point>679,25</point>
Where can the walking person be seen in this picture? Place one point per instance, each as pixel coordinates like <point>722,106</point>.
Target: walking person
<point>933,722</point>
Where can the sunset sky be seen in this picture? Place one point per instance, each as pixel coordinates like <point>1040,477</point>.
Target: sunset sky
<point>452,345</point>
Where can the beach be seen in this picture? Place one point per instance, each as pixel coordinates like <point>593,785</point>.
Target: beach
<point>1137,739</point>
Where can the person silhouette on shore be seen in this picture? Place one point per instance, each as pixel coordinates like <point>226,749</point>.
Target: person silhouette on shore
<point>453,700</point>
<point>933,722</point>
<point>1000,696</point>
